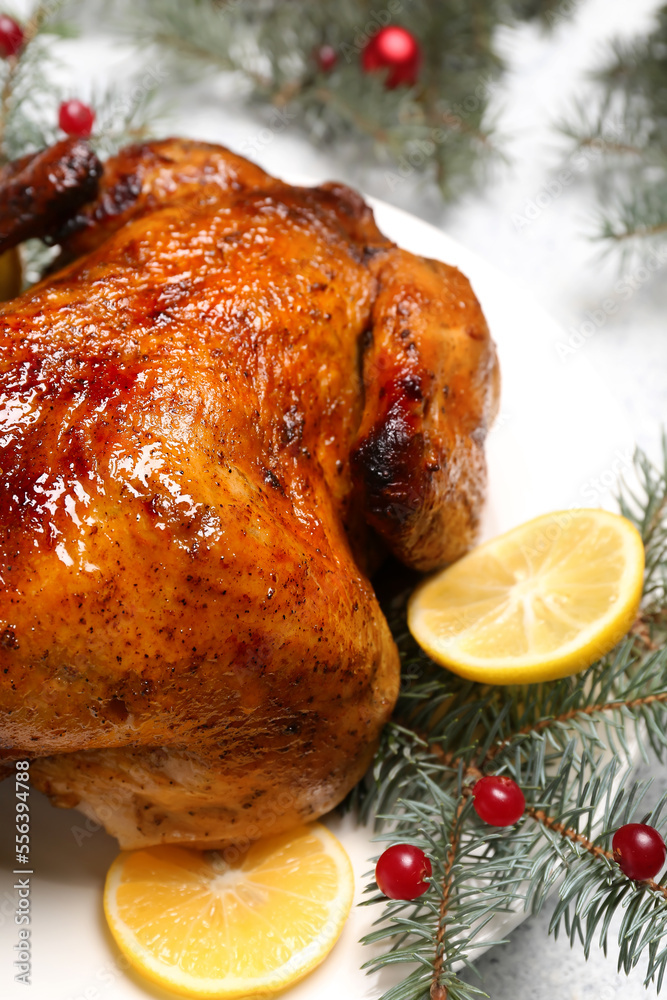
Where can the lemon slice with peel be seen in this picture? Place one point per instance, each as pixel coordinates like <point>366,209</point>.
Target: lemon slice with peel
<point>196,925</point>
<point>545,600</point>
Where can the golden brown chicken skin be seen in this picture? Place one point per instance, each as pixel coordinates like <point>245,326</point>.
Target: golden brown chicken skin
<point>40,193</point>
<point>210,414</point>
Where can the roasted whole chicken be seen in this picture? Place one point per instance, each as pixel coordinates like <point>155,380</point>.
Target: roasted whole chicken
<point>227,402</point>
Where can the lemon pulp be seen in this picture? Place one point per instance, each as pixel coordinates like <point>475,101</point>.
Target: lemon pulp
<point>192,923</point>
<point>542,601</point>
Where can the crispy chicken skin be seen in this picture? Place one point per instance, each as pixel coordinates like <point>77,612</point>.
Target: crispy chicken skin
<point>40,192</point>
<point>227,399</point>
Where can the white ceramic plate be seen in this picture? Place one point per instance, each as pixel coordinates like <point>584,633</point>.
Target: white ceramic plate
<point>561,441</point>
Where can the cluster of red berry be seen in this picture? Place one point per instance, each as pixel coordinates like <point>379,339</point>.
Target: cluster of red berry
<point>403,869</point>
<point>392,48</point>
<point>74,117</point>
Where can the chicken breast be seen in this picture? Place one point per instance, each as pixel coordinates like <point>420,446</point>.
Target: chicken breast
<point>229,398</point>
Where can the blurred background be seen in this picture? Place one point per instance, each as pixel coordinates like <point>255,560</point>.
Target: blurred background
<point>534,133</point>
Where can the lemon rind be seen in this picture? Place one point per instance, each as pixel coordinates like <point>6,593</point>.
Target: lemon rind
<point>300,964</point>
<point>594,641</point>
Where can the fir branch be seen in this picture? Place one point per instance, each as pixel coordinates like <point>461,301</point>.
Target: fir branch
<point>25,79</point>
<point>437,991</point>
<point>563,743</point>
<point>441,127</point>
<point>593,849</point>
<point>29,98</point>
<point>13,65</point>
<point>630,166</point>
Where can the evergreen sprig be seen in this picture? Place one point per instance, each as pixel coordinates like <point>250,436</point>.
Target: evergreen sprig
<point>445,127</point>
<point>442,127</point>
<point>570,744</point>
<point>564,742</point>
<point>631,137</point>
<point>26,84</point>
<point>30,98</point>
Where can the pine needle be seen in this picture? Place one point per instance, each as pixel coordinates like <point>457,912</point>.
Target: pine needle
<point>567,743</point>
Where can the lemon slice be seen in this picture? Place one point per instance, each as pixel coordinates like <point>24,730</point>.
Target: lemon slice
<point>11,274</point>
<point>195,925</point>
<point>544,600</point>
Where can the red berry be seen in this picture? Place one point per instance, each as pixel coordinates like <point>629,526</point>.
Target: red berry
<point>76,118</point>
<point>395,49</point>
<point>639,850</point>
<point>326,58</point>
<point>401,870</point>
<point>498,800</point>
<point>11,36</point>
